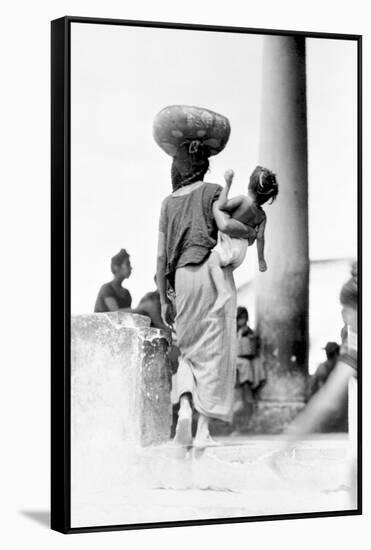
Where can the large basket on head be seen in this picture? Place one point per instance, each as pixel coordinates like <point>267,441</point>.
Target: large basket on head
<point>179,124</point>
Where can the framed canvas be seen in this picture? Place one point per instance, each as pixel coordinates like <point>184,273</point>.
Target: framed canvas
<point>206,238</point>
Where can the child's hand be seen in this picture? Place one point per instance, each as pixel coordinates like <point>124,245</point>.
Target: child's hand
<point>262,265</point>
<point>228,176</point>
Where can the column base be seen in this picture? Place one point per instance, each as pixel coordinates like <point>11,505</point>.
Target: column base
<point>273,417</point>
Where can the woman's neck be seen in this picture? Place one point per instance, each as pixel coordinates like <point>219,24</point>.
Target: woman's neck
<point>187,188</point>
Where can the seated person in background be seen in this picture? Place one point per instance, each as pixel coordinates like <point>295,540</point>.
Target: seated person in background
<point>150,305</point>
<point>324,369</point>
<point>112,296</point>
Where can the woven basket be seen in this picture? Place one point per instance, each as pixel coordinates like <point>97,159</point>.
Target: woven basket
<point>177,124</point>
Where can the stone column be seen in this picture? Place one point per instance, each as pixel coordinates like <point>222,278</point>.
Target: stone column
<point>282,296</point>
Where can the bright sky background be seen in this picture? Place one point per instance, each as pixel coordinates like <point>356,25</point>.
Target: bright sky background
<point>121,77</point>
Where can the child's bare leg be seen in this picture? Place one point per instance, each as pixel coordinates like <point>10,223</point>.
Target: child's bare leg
<point>217,276</point>
<point>223,198</point>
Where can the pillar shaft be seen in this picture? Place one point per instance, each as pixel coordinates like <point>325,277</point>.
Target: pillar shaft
<point>282,297</point>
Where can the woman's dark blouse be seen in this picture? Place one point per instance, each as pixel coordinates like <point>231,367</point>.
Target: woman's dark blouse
<point>122,297</point>
<point>189,226</point>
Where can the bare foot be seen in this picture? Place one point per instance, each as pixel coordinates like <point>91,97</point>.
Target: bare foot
<point>203,438</point>
<point>183,433</point>
<point>202,442</point>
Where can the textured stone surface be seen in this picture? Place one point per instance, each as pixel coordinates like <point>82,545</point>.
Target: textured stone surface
<point>120,394</point>
<point>127,319</point>
<point>155,406</point>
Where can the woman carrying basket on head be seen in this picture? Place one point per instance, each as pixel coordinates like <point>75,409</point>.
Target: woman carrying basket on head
<point>189,223</point>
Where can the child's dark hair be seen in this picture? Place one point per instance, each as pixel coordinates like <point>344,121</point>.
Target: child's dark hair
<point>190,164</point>
<point>263,184</point>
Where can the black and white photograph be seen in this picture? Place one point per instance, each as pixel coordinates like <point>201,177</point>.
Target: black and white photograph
<point>213,239</point>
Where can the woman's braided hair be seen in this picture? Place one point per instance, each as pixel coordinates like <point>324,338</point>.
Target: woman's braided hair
<point>190,164</point>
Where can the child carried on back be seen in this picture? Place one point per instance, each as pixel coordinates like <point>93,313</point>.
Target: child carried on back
<point>248,210</point>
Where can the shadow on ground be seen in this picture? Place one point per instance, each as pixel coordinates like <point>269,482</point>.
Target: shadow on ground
<point>42,517</point>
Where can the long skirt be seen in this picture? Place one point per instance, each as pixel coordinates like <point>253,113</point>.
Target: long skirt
<point>206,337</point>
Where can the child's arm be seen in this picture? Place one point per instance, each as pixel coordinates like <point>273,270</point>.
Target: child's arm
<point>260,241</point>
<point>225,204</point>
<point>229,205</point>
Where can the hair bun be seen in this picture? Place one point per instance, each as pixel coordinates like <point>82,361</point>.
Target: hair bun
<point>120,257</point>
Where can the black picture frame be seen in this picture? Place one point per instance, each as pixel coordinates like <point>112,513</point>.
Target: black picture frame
<point>61,271</point>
